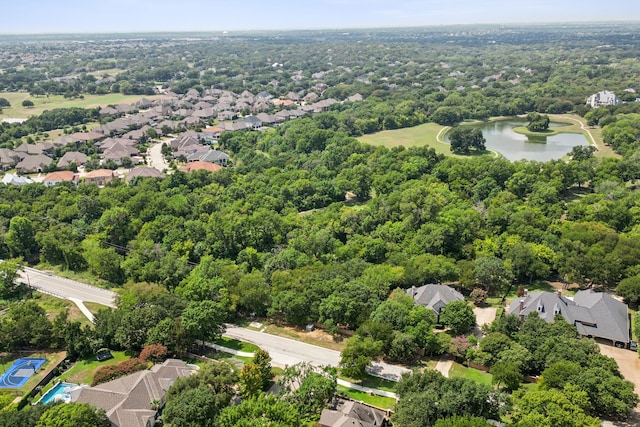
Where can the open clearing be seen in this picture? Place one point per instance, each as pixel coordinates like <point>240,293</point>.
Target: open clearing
<point>417,136</point>
<point>43,103</point>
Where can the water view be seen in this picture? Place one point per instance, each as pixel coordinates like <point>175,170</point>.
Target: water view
<point>514,146</point>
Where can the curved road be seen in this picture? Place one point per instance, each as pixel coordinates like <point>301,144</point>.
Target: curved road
<point>66,288</point>
<point>285,351</point>
<point>156,159</point>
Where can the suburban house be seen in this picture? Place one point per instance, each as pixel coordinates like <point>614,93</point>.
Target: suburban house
<point>343,413</point>
<point>31,164</point>
<point>131,401</point>
<point>602,99</point>
<point>99,177</point>
<point>61,176</point>
<point>594,314</point>
<point>213,156</point>
<point>144,172</point>
<point>434,297</point>
<point>8,158</point>
<point>198,165</point>
<point>11,179</point>
<point>72,157</point>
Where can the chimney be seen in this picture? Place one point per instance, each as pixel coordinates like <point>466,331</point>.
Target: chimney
<point>522,304</point>
<point>526,292</point>
<point>413,292</point>
<point>559,292</point>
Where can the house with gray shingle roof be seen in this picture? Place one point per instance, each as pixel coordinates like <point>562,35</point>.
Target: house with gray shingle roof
<point>344,413</point>
<point>72,157</point>
<point>11,179</point>
<point>129,401</point>
<point>434,297</point>
<point>211,156</point>
<point>144,172</point>
<point>8,158</point>
<point>594,314</point>
<point>33,163</point>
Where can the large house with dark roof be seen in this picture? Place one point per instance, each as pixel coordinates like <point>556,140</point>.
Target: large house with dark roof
<point>129,401</point>
<point>594,314</point>
<point>345,413</point>
<point>434,297</point>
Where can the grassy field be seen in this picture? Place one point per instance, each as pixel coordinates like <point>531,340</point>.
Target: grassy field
<point>83,370</point>
<point>54,306</point>
<point>316,337</point>
<point>374,400</point>
<point>58,101</point>
<point>94,307</point>
<point>425,134</point>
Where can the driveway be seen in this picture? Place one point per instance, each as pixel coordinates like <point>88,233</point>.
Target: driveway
<point>628,362</point>
<point>484,315</point>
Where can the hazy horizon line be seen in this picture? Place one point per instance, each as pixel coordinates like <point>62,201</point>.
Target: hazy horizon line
<point>398,27</point>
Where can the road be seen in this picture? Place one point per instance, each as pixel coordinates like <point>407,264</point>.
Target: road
<point>66,288</point>
<point>285,351</point>
<point>156,159</point>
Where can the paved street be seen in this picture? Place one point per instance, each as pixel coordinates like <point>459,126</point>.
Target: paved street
<point>66,288</point>
<point>285,351</point>
<point>155,158</point>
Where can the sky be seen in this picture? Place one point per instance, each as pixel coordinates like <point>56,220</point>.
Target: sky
<point>91,16</point>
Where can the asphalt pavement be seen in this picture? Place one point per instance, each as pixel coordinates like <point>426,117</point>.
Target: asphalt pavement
<point>66,288</point>
<point>285,351</point>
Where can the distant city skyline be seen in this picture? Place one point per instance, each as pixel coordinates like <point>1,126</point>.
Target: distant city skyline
<point>85,16</point>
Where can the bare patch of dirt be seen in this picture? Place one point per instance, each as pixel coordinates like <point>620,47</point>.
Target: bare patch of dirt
<point>316,337</point>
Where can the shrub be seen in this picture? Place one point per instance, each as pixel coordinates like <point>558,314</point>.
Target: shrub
<point>478,296</point>
<point>112,372</point>
<point>156,353</point>
<point>459,346</point>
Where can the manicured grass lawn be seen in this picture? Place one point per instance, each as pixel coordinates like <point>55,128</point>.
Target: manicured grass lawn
<point>421,135</point>
<point>457,370</point>
<point>374,400</point>
<point>237,345</point>
<point>58,101</point>
<point>373,382</point>
<point>83,370</point>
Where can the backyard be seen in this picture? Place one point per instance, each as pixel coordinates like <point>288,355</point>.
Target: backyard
<point>82,371</point>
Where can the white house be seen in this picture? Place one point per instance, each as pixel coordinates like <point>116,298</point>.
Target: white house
<point>602,99</point>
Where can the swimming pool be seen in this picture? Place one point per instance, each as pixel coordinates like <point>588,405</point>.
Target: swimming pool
<point>59,392</point>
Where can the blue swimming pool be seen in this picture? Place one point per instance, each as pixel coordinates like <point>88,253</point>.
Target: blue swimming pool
<point>59,392</point>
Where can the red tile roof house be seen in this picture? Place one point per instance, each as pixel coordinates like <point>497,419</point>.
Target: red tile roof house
<point>193,166</point>
<point>99,177</point>
<point>60,176</point>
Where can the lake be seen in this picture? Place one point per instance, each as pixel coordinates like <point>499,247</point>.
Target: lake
<point>514,146</point>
